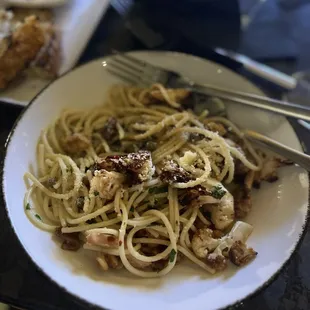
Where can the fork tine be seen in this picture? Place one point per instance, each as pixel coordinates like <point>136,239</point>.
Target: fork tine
<point>129,65</point>
<point>127,71</point>
<point>121,76</point>
<point>132,59</point>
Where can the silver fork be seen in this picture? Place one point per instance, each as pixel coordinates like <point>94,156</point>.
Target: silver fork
<point>141,73</point>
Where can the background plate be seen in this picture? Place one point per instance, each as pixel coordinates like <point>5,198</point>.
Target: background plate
<point>75,22</point>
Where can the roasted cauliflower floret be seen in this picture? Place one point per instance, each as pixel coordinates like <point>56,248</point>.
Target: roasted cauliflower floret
<point>138,167</point>
<point>240,254</point>
<point>222,214</point>
<point>216,261</point>
<point>188,159</point>
<point>106,183</point>
<point>173,173</point>
<point>203,242</point>
<point>76,143</point>
<point>191,196</point>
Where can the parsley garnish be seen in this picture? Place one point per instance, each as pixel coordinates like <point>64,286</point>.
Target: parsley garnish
<point>172,255</point>
<point>38,217</point>
<point>96,193</point>
<point>218,192</point>
<point>157,190</point>
<point>28,206</point>
<point>132,209</point>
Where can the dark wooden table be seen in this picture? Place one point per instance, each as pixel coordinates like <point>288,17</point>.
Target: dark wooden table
<point>189,28</point>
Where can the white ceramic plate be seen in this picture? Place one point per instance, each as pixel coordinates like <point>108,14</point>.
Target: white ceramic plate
<point>4,307</point>
<point>279,211</point>
<point>75,22</point>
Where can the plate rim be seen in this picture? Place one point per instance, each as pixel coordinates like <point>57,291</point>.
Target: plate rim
<point>77,299</point>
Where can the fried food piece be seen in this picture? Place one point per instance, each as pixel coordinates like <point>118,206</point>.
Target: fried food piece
<point>25,44</point>
<point>44,15</point>
<point>48,60</point>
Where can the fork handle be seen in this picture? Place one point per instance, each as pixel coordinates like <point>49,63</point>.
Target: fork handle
<point>291,110</point>
<point>303,160</point>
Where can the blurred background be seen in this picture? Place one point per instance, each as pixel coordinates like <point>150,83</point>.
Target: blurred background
<point>273,32</point>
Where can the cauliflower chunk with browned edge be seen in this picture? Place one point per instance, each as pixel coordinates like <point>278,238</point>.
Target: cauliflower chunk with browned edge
<point>105,183</point>
<point>137,167</point>
<point>203,242</point>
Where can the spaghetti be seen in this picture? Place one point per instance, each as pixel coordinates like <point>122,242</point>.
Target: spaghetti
<point>142,182</point>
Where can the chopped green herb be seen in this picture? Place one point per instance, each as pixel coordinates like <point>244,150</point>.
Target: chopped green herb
<point>28,206</point>
<point>38,217</point>
<point>132,209</point>
<point>218,192</point>
<point>172,255</point>
<point>96,193</point>
<point>157,190</point>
